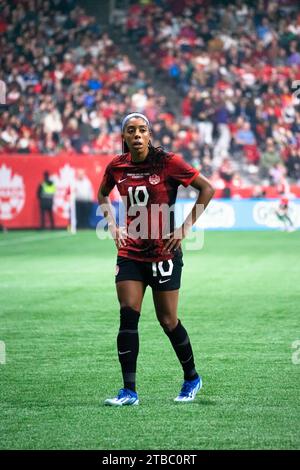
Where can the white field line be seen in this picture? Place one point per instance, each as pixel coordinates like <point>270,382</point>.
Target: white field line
<point>33,238</point>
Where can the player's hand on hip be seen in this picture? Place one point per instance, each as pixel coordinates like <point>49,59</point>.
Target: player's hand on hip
<point>173,240</point>
<point>119,235</point>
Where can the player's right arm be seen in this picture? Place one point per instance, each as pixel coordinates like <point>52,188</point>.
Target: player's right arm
<point>118,234</point>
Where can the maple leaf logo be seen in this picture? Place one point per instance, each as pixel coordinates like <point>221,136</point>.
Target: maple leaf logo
<point>63,180</point>
<point>12,193</point>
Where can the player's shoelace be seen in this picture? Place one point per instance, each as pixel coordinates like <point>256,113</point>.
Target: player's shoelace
<point>123,393</point>
<point>187,388</point>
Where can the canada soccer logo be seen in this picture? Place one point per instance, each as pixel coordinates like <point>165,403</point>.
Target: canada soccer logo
<point>154,179</point>
<point>12,193</point>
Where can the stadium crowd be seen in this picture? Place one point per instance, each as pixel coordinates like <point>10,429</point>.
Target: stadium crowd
<point>68,85</point>
<point>233,65</point>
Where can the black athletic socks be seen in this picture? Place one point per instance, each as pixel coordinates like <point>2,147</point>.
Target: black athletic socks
<point>128,345</point>
<point>183,349</point>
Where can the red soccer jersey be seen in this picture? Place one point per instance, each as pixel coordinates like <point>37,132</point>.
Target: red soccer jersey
<point>144,188</point>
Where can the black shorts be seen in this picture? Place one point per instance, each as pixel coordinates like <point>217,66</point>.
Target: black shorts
<point>159,275</point>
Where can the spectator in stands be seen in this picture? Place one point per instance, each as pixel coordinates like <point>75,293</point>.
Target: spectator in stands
<point>245,135</point>
<point>269,158</point>
<point>206,166</point>
<point>277,174</point>
<point>293,164</point>
<point>52,122</point>
<point>205,117</point>
<point>226,173</point>
<point>224,137</point>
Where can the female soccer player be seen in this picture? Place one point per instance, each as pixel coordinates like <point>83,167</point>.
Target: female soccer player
<point>148,178</point>
<point>282,213</point>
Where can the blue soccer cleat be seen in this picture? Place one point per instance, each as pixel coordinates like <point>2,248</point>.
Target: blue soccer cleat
<point>125,397</point>
<point>189,390</point>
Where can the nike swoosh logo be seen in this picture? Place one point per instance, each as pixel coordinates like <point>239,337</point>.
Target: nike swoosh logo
<point>120,181</point>
<point>184,362</point>
<point>124,352</point>
<point>166,280</point>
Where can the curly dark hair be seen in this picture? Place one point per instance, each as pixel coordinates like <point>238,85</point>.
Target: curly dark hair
<point>158,158</point>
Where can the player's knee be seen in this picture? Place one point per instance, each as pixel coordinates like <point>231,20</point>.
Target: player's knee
<point>129,318</point>
<point>168,324</point>
<point>130,304</point>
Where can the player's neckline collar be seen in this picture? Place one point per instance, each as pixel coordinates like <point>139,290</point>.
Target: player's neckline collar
<point>138,163</point>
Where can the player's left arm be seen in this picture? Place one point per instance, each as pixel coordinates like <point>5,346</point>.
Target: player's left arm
<point>206,192</point>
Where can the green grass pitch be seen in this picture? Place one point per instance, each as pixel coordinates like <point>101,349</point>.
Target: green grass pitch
<point>59,317</point>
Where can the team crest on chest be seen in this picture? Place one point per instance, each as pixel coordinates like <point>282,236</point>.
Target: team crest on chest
<point>154,179</point>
